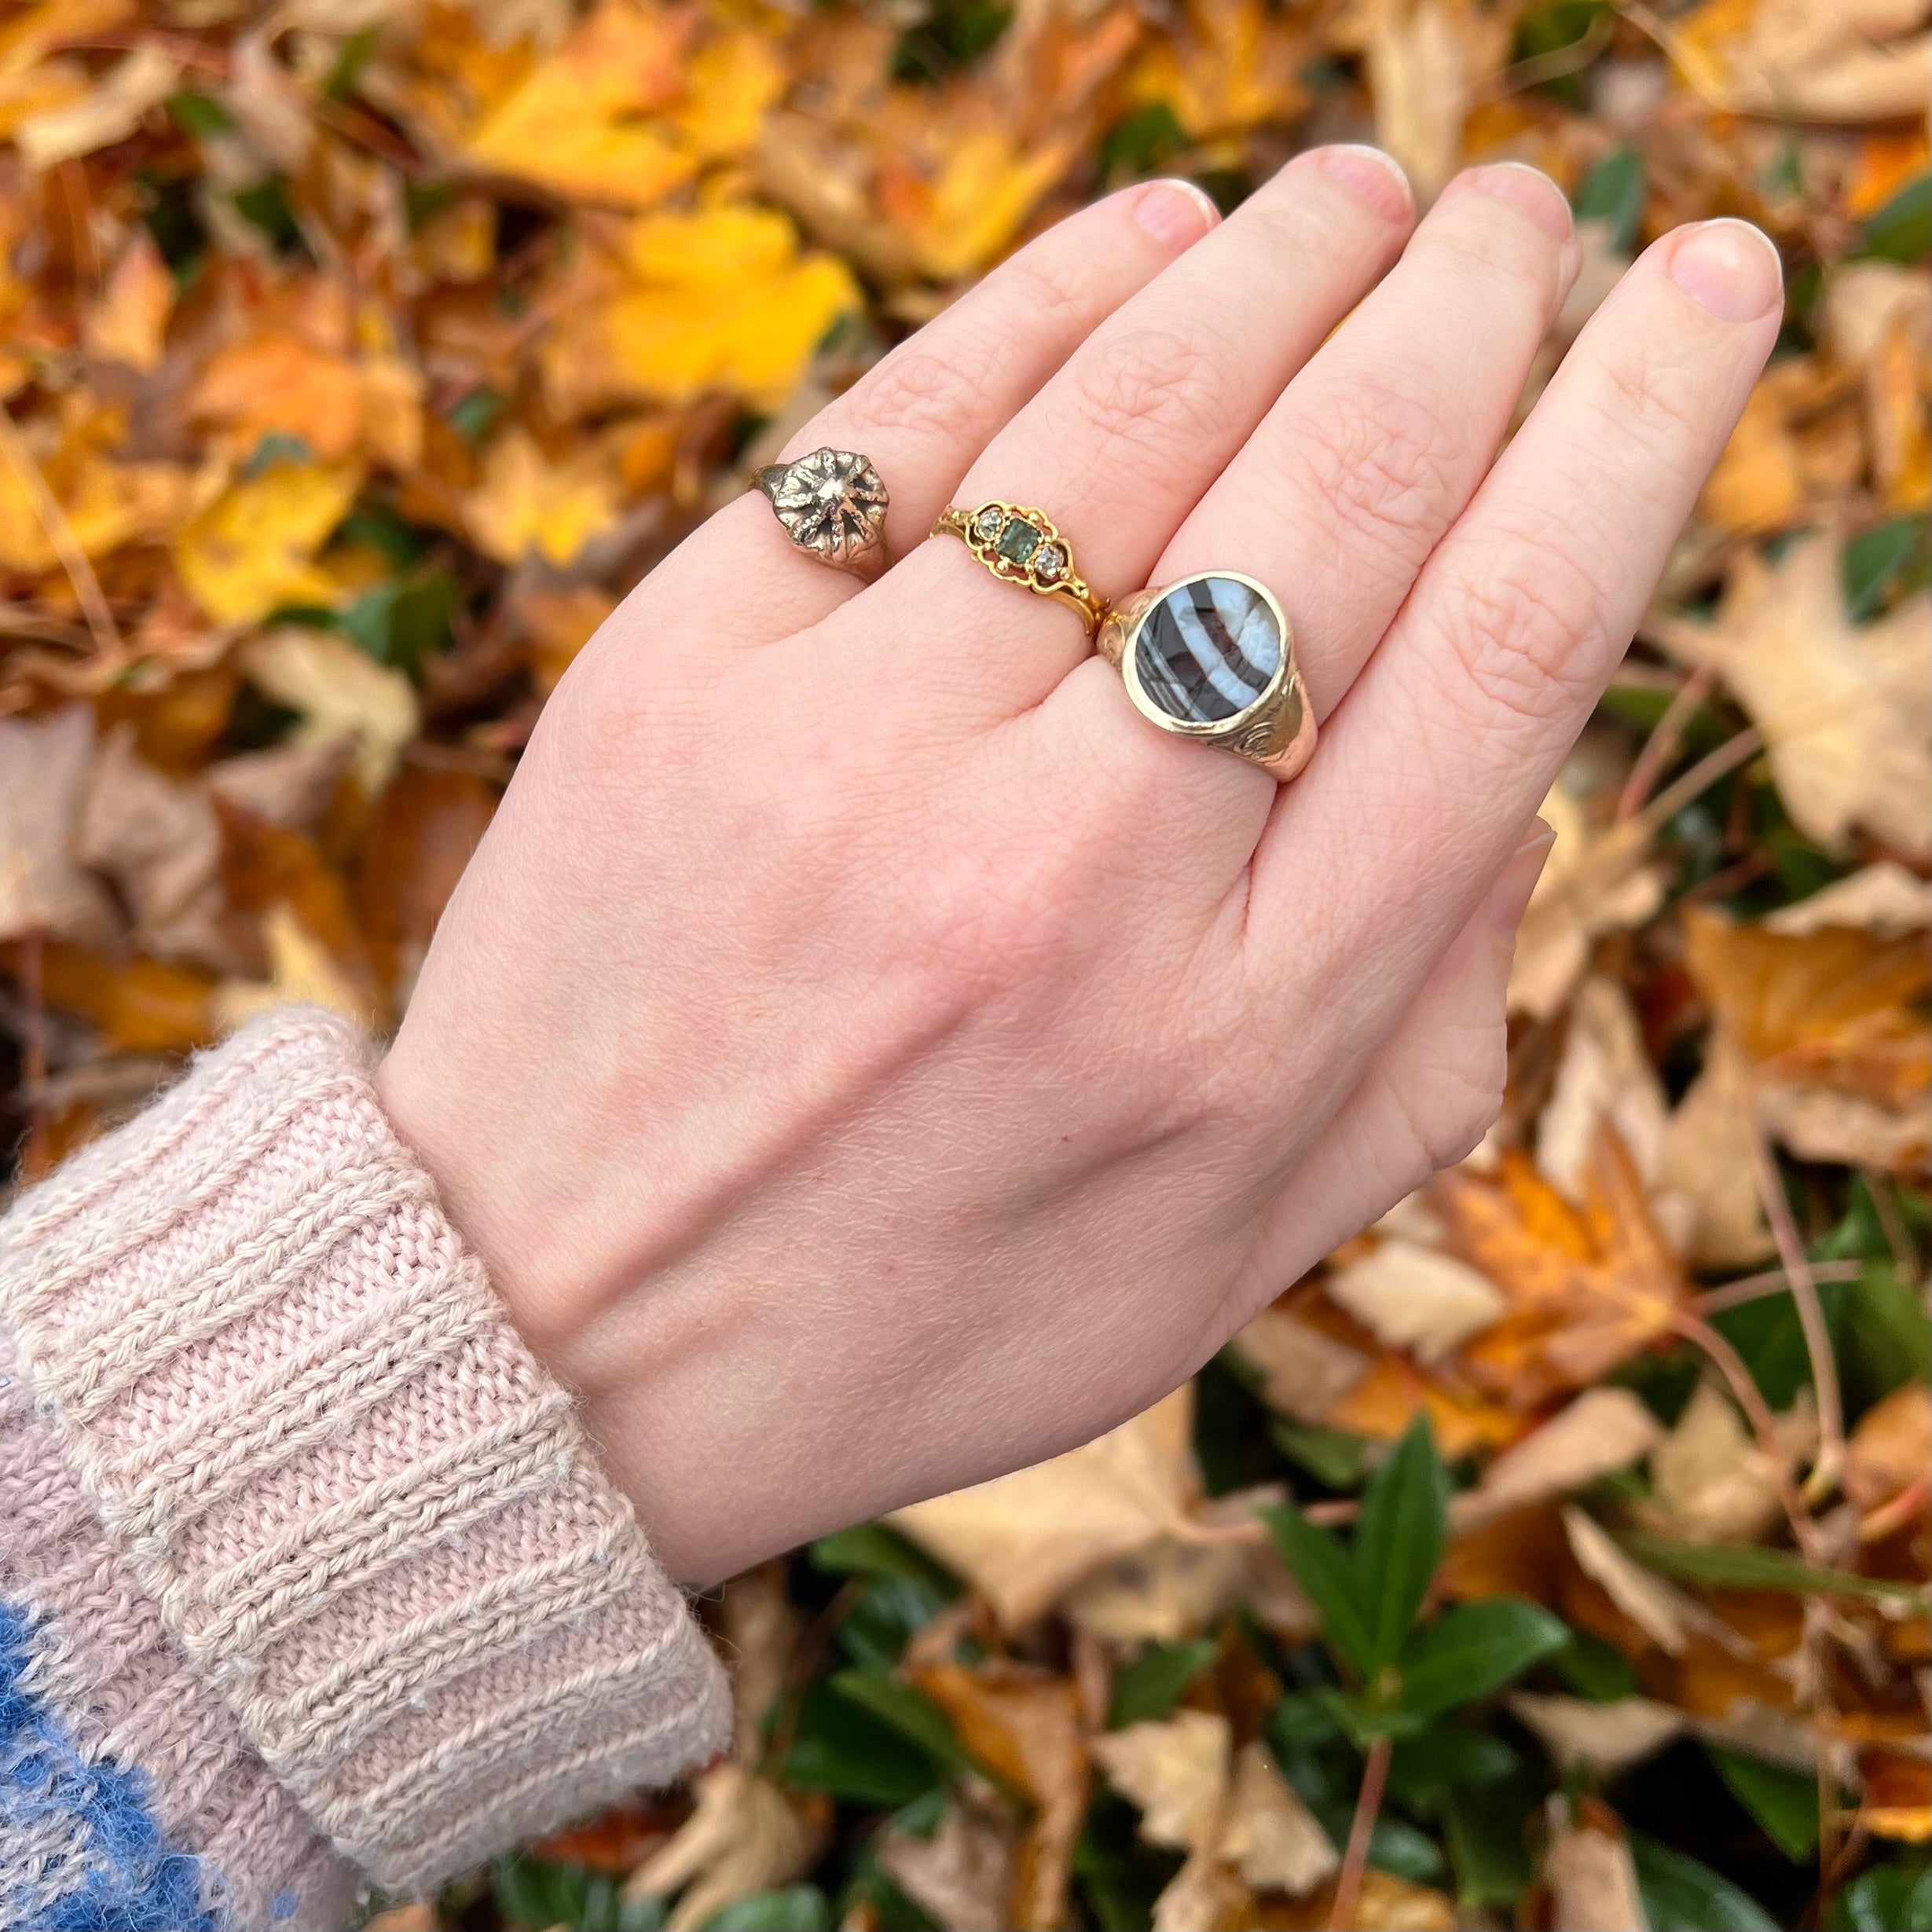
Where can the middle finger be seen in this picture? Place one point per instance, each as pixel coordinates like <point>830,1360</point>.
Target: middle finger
<point>1119,445</point>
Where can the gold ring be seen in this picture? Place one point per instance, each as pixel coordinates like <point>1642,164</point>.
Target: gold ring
<point>1212,658</point>
<point>832,506</point>
<point>1023,546</point>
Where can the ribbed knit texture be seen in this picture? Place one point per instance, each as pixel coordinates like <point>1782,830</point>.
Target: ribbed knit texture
<point>336,1485</point>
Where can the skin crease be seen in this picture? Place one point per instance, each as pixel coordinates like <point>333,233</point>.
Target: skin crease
<point>867,1056</point>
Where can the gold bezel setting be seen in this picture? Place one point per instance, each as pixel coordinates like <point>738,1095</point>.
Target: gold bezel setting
<point>1277,731</point>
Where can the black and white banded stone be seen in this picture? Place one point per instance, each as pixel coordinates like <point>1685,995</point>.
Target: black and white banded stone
<point>1207,650</point>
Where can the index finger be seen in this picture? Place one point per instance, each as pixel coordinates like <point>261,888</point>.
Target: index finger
<point>1452,735</point>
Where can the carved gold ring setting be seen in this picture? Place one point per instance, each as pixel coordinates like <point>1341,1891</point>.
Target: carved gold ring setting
<point>1211,658</point>
<point>832,506</point>
<point>1024,547</point>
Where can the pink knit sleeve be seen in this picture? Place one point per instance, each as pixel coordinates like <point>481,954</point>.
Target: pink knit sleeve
<point>358,1521</point>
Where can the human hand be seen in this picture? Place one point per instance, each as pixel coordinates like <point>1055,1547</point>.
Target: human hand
<point>868,1056</point>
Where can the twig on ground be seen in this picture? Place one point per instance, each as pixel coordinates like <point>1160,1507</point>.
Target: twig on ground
<point>1355,1859</point>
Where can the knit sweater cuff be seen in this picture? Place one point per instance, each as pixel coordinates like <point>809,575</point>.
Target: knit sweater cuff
<point>366,1515</point>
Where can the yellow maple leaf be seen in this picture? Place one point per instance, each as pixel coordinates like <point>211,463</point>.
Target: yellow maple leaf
<point>276,382</point>
<point>720,299</point>
<point>254,547</point>
<point>574,124</point>
<point>105,504</point>
<point>526,503</point>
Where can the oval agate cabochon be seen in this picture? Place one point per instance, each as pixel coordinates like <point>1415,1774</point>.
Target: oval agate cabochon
<point>1209,650</point>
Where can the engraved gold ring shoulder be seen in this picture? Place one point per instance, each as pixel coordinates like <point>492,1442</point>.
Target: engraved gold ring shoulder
<point>1024,546</point>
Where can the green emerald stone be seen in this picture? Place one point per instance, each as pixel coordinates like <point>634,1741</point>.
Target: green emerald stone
<point>1018,540</point>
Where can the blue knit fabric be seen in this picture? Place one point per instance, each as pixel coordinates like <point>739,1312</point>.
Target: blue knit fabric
<point>134,1881</point>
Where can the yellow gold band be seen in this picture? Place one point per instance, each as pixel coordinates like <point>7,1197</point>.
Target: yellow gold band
<point>1024,546</point>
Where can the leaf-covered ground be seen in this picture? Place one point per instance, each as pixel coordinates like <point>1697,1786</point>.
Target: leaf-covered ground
<point>1555,1557</point>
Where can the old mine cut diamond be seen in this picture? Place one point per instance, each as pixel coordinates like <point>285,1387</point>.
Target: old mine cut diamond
<point>1207,650</point>
<point>987,523</point>
<point>1049,561</point>
<point>1018,540</point>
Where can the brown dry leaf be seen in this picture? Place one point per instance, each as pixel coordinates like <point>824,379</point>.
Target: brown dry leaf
<point>1304,1372</point>
<point>1710,1481</point>
<point>961,1876</point>
<point>1603,1430</point>
<point>1884,900</point>
<point>1204,1891</point>
<point>1176,1772</point>
<point>1891,1449</point>
<point>1759,483</point>
<point>1415,1298</point>
<point>110,110</point>
<point>761,1631</point>
<point>302,972</point>
<point>1846,708</point>
<point>745,1836</point>
<point>1665,1614</point>
<point>1269,1835</point>
<point>44,767</point>
<point>1386,1904</point>
<point>1603,1738</point>
<point>1025,1728</point>
<point>558,624</point>
<point>1709,1163</point>
<point>1588,1868</point>
<point>129,322</point>
<point>289,784</point>
<point>1023,1540</point>
<point>1604,1076</point>
<point>421,1917</point>
<point>160,843</point>
<point>1428,59</point>
<point>1177,1586</point>
<point>1827,1021</point>
<point>1588,1287</point>
<point>340,692</point>
<point>1798,59</point>
<point>1598,879</point>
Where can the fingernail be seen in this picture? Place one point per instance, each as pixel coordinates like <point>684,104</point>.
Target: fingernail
<point>1376,177</point>
<point>1522,186</point>
<point>1732,268</point>
<point>1509,896</point>
<point>1176,212</point>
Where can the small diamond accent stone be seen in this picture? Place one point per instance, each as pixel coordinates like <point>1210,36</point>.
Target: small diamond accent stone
<point>987,523</point>
<point>1049,561</point>
<point>1018,540</point>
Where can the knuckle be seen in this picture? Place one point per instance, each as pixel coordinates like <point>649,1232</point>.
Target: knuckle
<point>1520,618</point>
<point>1646,393</point>
<point>1148,389</point>
<point>1477,239</point>
<point>920,392</point>
<point>1378,456</point>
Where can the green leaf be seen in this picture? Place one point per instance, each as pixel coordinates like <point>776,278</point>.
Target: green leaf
<point>847,1751</point>
<point>1399,1540</point>
<point>401,624</point>
<point>1426,1770</point>
<point>1334,1458</point>
<point>1139,143</point>
<point>797,1908</point>
<point>1301,1721</point>
<point>1740,1566</point>
<point>347,71</point>
<point>1784,1801</point>
<point>953,35</point>
<point>1596,1670</point>
<point>1467,1652</point>
<point>472,414</point>
<point>1680,1895</point>
<point>886,1615</point>
<point>200,115</point>
<point>1877,561</point>
<point>1120,1874</point>
<point>1398,1846</point>
<point>871,1549</point>
<point>1612,192</point>
<point>1149,1688</point>
<point>1886,1338</point>
<point>1895,1897</point>
<point>1901,230</point>
<point>1322,1568</point>
<point>1489,1843</point>
<point>265,206</point>
<point>910,1712</point>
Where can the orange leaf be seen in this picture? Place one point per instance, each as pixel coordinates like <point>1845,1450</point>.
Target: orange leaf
<point>1587,1288</point>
